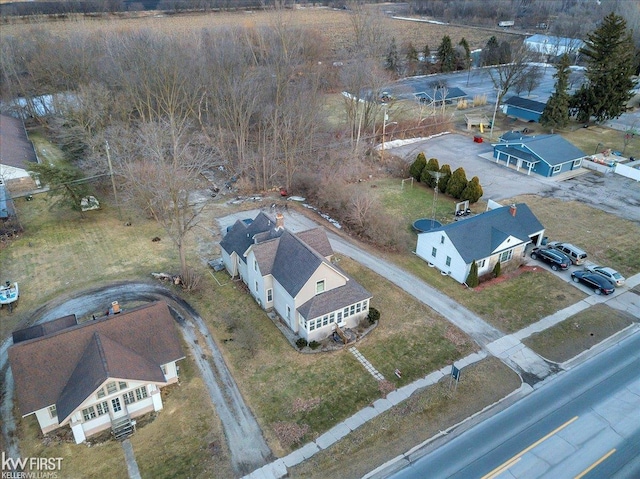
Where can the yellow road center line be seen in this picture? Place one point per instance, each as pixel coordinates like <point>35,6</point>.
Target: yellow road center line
<point>500,468</point>
<point>592,466</point>
<point>504,467</point>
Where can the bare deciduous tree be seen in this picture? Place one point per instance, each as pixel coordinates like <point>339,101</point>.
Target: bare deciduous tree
<point>507,75</point>
<point>161,166</point>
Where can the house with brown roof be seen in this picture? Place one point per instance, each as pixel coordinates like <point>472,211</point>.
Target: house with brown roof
<point>96,375</point>
<point>16,153</point>
<point>293,275</point>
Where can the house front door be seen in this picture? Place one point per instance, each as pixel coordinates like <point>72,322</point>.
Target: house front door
<point>117,408</point>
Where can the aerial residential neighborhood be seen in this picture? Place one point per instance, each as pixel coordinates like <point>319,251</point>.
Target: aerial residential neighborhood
<point>333,240</point>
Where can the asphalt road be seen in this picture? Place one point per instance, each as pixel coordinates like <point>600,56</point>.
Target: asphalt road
<point>561,430</point>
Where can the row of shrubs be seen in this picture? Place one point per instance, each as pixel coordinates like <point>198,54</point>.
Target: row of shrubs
<point>453,184</point>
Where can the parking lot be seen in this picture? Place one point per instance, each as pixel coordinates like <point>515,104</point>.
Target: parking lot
<point>611,193</point>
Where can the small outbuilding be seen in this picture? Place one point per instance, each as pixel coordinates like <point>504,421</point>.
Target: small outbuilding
<point>448,95</point>
<point>523,108</point>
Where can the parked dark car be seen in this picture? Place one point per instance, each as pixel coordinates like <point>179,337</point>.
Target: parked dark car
<point>555,258</point>
<point>599,284</point>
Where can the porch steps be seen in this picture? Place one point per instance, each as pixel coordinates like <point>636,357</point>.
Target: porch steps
<point>122,427</point>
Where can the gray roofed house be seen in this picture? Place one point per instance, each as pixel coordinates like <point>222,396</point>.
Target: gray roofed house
<point>545,155</point>
<point>16,152</point>
<point>293,275</point>
<point>498,235</point>
<point>436,96</point>
<point>94,375</point>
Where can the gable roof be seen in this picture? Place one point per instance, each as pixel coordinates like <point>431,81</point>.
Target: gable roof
<point>15,148</point>
<point>451,94</point>
<point>317,240</point>
<point>552,149</point>
<point>478,237</point>
<point>45,367</point>
<point>102,359</point>
<point>526,104</point>
<point>512,136</point>
<point>334,299</point>
<point>241,236</point>
<point>295,262</point>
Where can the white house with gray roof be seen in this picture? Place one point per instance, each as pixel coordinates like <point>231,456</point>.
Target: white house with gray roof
<point>498,235</point>
<point>293,275</point>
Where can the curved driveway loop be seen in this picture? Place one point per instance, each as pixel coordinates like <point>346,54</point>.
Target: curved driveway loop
<point>248,448</point>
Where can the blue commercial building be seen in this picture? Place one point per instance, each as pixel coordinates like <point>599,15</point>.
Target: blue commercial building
<point>545,155</point>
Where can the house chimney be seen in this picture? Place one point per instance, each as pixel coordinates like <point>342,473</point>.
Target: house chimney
<point>512,209</point>
<point>279,221</point>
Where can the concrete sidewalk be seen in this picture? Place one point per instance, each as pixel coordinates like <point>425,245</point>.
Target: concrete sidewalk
<point>508,348</point>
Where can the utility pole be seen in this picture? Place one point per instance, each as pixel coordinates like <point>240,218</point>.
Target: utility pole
<point>113,181</point>
<point>385,117</point>
<point>495,111</point>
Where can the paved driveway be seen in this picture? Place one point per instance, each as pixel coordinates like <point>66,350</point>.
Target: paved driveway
<point>498,181</point>
<point>611,193</point>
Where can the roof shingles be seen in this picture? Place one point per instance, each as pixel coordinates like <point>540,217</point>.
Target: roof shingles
<point>43,367</point>
<point>479,236</point>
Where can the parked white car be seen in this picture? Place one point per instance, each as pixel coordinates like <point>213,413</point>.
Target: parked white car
<point>609,273</point>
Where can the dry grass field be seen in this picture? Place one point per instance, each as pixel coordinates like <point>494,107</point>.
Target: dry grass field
<point>422,416</point>
<point>579,332</point>
<point>332,26</point>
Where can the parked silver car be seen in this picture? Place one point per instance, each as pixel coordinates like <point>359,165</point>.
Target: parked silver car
<point>609,273</point>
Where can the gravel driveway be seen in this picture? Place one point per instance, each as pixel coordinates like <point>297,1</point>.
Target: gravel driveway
<point>249,450</point>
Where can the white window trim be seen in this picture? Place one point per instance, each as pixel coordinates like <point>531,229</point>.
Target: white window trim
<point>318,284</point>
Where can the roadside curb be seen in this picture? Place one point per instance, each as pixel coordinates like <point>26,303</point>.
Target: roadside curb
<point>415,453</point>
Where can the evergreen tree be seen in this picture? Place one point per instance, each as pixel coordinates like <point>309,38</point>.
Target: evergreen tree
<point>412,59</point>
<point>473,192</point>
<point>426,177</point>
<point>457,183</point>
<point>609,54</point>
<point>446,55</point>
<point>556,112</point>
<point>65,184</point>
<point>497,270</point>
<point>393,60</point>
<point>491,52</point>
<point>444,179</point>
<point>418,165</point>
<point>472,279</point>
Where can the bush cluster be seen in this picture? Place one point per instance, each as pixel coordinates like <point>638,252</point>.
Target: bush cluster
<point>453,184</point>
